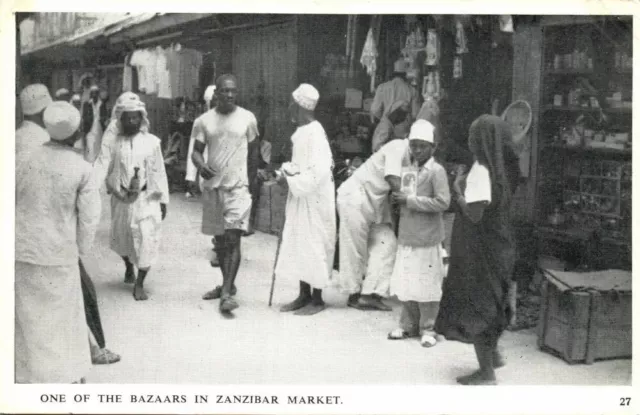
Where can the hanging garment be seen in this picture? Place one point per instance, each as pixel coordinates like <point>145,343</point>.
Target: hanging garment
<point>162,74</point>
<point>461,38</point>
<point>127,75</point>
<point>309,234</point>
<point>432,48</point>
<point>369,57</point>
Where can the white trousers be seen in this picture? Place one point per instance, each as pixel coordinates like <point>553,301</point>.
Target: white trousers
<point>366,248</point>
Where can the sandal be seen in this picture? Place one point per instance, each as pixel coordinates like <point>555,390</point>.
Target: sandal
<point>105,357</point>
<point>427,340</point>
<point>398,334</point>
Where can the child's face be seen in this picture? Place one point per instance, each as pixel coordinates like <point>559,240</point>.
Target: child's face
<point>421,150</point>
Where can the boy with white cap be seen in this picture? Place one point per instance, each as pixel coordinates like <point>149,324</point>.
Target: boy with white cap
<point>309,234</point>
<point>418,271</point>
<point>226,132</point>
<point>32,134</point>
<point>57,213</point>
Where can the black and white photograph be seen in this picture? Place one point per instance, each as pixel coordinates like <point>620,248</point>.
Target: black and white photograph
<point>400,198</point>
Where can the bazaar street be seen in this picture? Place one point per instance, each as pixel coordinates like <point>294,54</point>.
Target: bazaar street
<point>175,337</point>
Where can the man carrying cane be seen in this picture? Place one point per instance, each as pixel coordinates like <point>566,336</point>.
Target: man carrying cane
<point>309,234</point>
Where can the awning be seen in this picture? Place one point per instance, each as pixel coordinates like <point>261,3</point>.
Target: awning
<point>111,29</point>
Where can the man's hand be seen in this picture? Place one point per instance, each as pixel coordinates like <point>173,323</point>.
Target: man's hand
<point>207,172</point>
<point>163,209</point>
<point>399,198</point>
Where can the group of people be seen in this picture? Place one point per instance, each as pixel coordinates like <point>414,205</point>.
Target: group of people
<point>390,232</point>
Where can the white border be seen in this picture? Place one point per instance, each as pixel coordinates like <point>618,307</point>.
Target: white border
<point>401,399</point>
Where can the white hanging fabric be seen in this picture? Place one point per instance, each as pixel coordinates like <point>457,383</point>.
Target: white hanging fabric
<point>369,56</point>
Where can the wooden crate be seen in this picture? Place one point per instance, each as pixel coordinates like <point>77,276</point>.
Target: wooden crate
<point>586,316</point>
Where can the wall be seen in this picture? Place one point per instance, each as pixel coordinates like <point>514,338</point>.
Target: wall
<point>265,63</point>
<point>527,73</point>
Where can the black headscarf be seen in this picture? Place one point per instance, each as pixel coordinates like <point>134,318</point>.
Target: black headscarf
<point>490,139</point>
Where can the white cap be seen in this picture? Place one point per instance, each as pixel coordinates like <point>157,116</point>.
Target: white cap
<point>306,96</point>
<point>76,97</point>
<point>400,66</point>
<point>34,98</point>
<point>62,91</point>
<point>94,88</point>
<point>422,130</point>
<point>61,119</point>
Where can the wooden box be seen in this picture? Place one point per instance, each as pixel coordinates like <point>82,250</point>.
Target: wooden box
<point>586,316</point>
<point>263,215</point>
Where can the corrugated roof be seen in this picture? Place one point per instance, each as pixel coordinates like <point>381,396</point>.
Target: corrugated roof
<point>112,28</point>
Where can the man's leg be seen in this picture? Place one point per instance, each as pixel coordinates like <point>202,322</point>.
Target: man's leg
<point>130,272</point>
<point>91,311</point>
<point>304,298</point>
<point>315,306</point>
<point>230,264</point>
<point>354,234</point>
<point>138,289</point>
<point>382,247</point>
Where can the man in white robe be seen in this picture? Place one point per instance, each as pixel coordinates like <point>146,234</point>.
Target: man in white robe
<point>57,213</point>
<point>137,181</point>
<point>366,237</point>
<point>309,234</point>
<point>32,133</point>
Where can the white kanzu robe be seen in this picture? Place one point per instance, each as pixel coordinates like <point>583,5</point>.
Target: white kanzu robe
<point>309,234</point>
<point>135,227</point>
<point>57,212</point>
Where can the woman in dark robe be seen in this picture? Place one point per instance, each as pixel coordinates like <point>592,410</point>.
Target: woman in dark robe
<point>474,307</point>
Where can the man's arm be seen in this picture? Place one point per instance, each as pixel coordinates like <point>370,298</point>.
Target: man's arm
<point>198,159</point>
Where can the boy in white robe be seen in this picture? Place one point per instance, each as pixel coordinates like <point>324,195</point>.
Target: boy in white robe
<point>309,234</point>
<point>137,181</point>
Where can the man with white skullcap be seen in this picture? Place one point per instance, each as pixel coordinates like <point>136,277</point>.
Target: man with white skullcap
<point>309,234</point>
<point>226,133</point>
<point>366,237</point>
<point>32,134</point>
<point>95,117</point>
<point>397,89</point>
<point>419,269</point>
<point>137,182</point>
<point>76,101</point>
<point>63,94</point>
<point>57,213</point>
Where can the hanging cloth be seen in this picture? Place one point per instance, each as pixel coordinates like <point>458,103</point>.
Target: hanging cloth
<point>461,38</point>
<point>432,48</point>
<point>369,56</point>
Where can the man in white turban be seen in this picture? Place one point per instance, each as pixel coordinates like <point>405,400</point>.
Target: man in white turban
<point>309,234</point>
<point>32,134</point>
<point>137,181</point>
<point>57,212</point>
<point>226,132</point>
<point>94,119</point>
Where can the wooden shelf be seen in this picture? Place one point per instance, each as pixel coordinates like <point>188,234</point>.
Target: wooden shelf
<point>621,110</point>
<point>603,151</point>
<point>585,72</point>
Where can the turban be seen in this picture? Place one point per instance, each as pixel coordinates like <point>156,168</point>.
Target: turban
<point>306,96</point>
<point>76,98</point>
<point>422,130</point>
<point>61,119</point>
<point>62,91</point>
<point>94,88</point>
<point>397,105</point>
<point>131,103</point>
<point>116,112</point>
<point>34,99</point>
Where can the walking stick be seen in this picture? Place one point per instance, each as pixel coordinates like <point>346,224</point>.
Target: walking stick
<point>273,274</point>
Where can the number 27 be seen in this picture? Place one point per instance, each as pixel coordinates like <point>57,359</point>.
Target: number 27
<point>625,401</point>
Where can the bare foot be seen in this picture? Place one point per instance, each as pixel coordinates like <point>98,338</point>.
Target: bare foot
<point>296,304</point>
<point>311,309</point>
<point>477,378</point>
<point>129,276</point>
<point>217,293</point>
<point>139,294</point>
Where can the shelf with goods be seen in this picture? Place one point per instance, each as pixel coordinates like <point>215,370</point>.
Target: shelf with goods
<point>584,144</point>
